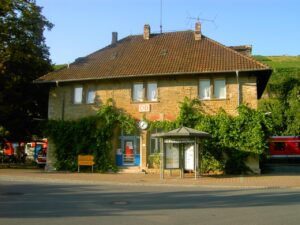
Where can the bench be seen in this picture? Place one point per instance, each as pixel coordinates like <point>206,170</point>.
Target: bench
<point>86,160</point>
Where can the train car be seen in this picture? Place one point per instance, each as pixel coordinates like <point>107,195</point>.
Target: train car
<point>284,146</point>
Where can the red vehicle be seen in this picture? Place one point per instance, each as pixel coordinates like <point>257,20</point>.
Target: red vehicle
<point>8,149</point>
<point>284,146</point>
<point>13,152</point>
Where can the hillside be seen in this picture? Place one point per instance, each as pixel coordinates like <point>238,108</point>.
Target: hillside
<point>281,97</point>
<point>280,61</point>
<point>283,66</point>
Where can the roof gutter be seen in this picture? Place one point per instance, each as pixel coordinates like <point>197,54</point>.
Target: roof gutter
<point>148,75</point>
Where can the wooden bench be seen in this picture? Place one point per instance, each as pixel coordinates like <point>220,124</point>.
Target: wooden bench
<point>86,160</point>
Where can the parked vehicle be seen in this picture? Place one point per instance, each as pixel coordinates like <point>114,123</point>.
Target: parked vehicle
<point>284,146</point>
<point>13,152</point>
<point>37,151</point>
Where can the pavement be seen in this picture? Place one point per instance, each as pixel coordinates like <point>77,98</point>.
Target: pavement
<point>141,179</point>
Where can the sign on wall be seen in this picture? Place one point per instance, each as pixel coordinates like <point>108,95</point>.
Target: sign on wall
<point>144,108</point>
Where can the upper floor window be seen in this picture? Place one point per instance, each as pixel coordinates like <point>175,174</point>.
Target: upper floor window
<point>217,85</point>
<point>219,88</point>
<point>152,91</point>
<point>138,92</point>
<point>144,92</point>
<point>90,97</point>
<point>78,91</point>
<point>204,89</point>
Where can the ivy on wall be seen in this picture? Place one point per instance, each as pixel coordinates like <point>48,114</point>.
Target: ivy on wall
<point>234,138</point>
<point>91,135</point>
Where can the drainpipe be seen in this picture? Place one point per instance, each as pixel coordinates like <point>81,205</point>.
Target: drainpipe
<point>62,104</point>
<point>238,88</point>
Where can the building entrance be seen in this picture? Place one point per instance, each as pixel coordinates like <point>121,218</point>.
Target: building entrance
<point>129,153</point>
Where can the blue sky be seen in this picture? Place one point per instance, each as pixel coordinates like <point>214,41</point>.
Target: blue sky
<point>272,27</point>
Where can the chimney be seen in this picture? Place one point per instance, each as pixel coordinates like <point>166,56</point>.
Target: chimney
<point>114,38</point>
<point>243,49</point>
<point>146,31</point>
<point>197,31</point>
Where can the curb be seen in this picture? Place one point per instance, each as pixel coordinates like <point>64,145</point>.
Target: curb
<point>39,180</point>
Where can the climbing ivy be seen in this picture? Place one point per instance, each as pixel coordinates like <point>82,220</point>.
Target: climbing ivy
<point>234,138</point>
<point>92,135</point>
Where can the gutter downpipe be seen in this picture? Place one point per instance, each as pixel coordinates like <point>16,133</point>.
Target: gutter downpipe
<point>238,88</point>
<point>63,103</point>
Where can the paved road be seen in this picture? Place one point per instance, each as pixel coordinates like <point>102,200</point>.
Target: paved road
<point>30,203</point>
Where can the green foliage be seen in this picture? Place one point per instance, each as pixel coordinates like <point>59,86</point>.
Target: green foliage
<point>3,134</point>
<point>154,160</point>
<point>24,57</point>
<point>92,135</point>
<point>233,138</point>
<point>190,111</point>
<point>164,125</point>
<point>59,67</point>
<point>283,95</point>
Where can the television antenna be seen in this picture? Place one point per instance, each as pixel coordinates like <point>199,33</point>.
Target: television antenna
<point>160,26</point>
<point>200,19</point>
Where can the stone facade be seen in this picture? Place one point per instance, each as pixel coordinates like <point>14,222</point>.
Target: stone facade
<point>171,91</point>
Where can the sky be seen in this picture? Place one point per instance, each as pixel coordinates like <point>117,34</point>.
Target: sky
<point>81,27</point>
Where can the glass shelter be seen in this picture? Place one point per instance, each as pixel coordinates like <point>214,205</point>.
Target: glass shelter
<point>179,149</point>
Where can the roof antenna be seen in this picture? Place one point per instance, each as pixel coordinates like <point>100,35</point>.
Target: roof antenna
<point>198,19</point>
<point>160,16</point>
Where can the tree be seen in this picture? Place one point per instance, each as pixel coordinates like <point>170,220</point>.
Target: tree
<point>24,57</point>
<point>284,106</point>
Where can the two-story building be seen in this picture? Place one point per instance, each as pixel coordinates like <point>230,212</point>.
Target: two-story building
<point>148,75</point>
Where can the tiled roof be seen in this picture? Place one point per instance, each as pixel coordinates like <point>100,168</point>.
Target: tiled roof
<point>163,54</point>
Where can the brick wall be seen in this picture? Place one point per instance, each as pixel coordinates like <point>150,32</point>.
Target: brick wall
<point>171,91</point>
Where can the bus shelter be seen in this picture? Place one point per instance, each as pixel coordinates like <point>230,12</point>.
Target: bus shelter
<point>179,149</point>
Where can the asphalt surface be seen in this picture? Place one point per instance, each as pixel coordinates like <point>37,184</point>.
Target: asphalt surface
<point>30,203</point>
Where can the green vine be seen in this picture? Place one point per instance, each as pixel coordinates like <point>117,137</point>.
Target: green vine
<point>91,135</point>
<point>233,138</point>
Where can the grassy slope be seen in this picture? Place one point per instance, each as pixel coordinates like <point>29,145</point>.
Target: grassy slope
<point>277,62</point>
<point>283,66</point>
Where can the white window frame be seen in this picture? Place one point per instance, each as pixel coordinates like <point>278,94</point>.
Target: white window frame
<point>138,96</point>
<point>218,93</point>
<point>148,91</point>
<point>78,95</point>
<point>90,96</point>
<point>207,93</point>
<point>152,93</point>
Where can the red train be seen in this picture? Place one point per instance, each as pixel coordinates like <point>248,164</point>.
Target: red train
<point>284,146</point>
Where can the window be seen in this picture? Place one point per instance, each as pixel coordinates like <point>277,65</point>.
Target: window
<point>152,91</point>
<point>279,146</point>
<point>90,97</point>
<point>138,92</point>
<point>204,89</point>
<point>78,95</point>
<point>144,92</point>
<point>219,88</point>
<point>154,145</point>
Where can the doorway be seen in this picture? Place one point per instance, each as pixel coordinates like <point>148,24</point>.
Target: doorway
<point>130,151</point>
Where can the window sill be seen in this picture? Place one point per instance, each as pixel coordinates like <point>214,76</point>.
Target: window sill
<point>77,104</point>
<point>143,102</point>
<point>213,99</point>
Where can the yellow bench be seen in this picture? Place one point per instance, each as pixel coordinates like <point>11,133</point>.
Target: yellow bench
<point>86,160</point>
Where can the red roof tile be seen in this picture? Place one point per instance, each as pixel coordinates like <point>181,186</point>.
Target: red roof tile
<point>163,54</point>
